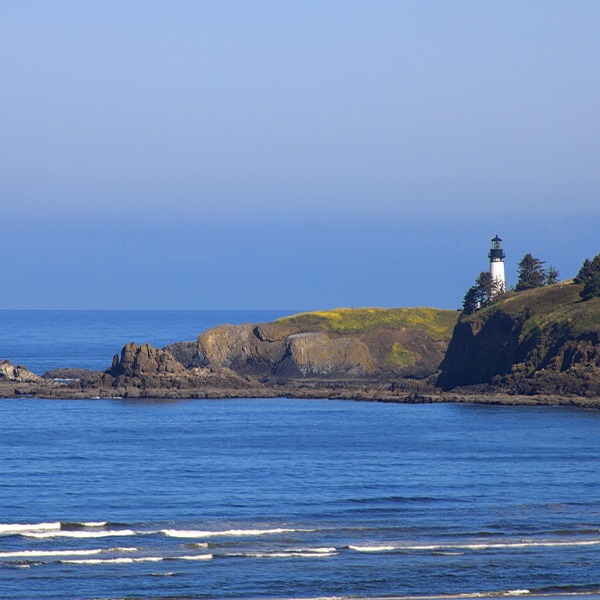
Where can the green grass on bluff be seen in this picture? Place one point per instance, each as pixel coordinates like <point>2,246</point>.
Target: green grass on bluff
<point>439,324</point>
<point>543,308</point>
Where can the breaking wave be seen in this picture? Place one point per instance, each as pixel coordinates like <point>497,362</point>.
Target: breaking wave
<point>193,533</point>
<point>475,546</point>
<point>67,533</point>
<point>372,548</point>
<point>16,528</point>
<point>129,560</point>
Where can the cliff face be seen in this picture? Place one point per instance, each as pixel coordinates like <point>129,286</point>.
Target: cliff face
<point>346,343</point>
<point>147,368</point>
<point>545,340</point>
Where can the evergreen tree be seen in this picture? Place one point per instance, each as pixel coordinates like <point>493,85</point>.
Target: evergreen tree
<point>531,273</point>
<point>591,289</point>
<point>588,268</point>
<point>485,291</point>
<point>585,272</point>
<point>485,288</point>
<point>470,301</point>
<point>589,275</point>
<point>551,276</point>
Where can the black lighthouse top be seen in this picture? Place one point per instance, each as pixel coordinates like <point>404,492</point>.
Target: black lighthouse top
<point>496,253</point>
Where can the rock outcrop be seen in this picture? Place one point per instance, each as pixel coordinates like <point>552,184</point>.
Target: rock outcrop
<point>185,352</point>
<point>145,371</point>
<point>144,361</point>
<point>541,341</point>
<point>321,355</point>
<point>237,347</point>
<point>536,347</point>
<point>19,373</point>
<point>346,343</point>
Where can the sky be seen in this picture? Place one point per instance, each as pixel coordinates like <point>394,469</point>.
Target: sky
<point>266,154</point>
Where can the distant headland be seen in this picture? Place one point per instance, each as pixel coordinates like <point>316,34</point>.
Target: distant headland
<point>537,345</point>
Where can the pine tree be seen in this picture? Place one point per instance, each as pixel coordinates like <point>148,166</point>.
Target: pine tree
<point>591,289</point>
<point>589,275</point>
<point>585,272</point>
<point>485,291</point>
<point>485,288</point>
<point>470,301</point>
<point>551,276</point>
<point>531,273</point>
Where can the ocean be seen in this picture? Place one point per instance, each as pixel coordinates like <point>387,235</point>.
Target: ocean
<point>276,498</point>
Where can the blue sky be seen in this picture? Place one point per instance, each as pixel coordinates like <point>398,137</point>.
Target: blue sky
<point>268,154</point>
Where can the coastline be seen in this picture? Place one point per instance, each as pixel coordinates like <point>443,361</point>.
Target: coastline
<point>362,391</point>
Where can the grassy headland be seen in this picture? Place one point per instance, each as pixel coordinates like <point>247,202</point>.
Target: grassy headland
<point>435,322</point>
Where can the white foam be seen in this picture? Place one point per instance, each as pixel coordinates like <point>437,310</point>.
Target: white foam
<point>313,550</point>
<point>80,534</point>
<point>517,592</point>
<point>533,544</point>
<point>286,554</point>
<point>479,546</point>
<point>129,560</point>
<point>94,524</point>
<point>9,528</point>
<point>113,561</point>
<point>372,548</point>
<point>41,553</point>
<point>525,544</point>
<point>194,533</point>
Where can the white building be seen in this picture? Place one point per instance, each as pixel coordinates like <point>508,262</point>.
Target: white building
<point>496,256</point>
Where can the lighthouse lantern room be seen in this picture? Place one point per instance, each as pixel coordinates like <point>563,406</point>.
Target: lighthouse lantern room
<point>496,256</point>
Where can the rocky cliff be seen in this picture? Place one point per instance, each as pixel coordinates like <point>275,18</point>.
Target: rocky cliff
<point>345,343</point>
<point>541,341</point>
<point>148,371</point>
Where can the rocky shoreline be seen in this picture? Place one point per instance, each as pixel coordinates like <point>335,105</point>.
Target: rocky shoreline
<point>538,347</point>
<point>216,384</point>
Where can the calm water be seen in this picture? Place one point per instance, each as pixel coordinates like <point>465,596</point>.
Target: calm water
<point>280,498</point>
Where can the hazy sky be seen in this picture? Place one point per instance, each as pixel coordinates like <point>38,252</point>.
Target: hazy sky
<point>274,154</point>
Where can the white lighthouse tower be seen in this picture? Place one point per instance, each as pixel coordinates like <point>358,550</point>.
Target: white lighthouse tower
<point>496,257</point>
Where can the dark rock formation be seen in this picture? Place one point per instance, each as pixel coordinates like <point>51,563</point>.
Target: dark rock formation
<point>69,373</point>
<point>542,341</point>
<point>186,353</point>
<point>145,371</point>
<point>144,360</point>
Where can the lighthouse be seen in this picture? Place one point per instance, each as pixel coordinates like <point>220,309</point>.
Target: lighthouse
<point>496,257</point>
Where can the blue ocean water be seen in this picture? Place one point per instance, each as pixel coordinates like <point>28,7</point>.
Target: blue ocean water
<point>283,498</point>
<point>292,498</point>
<point>88,339</point>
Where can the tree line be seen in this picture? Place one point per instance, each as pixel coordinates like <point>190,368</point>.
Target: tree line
<point>589,276</point>
<point>532,274</point>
